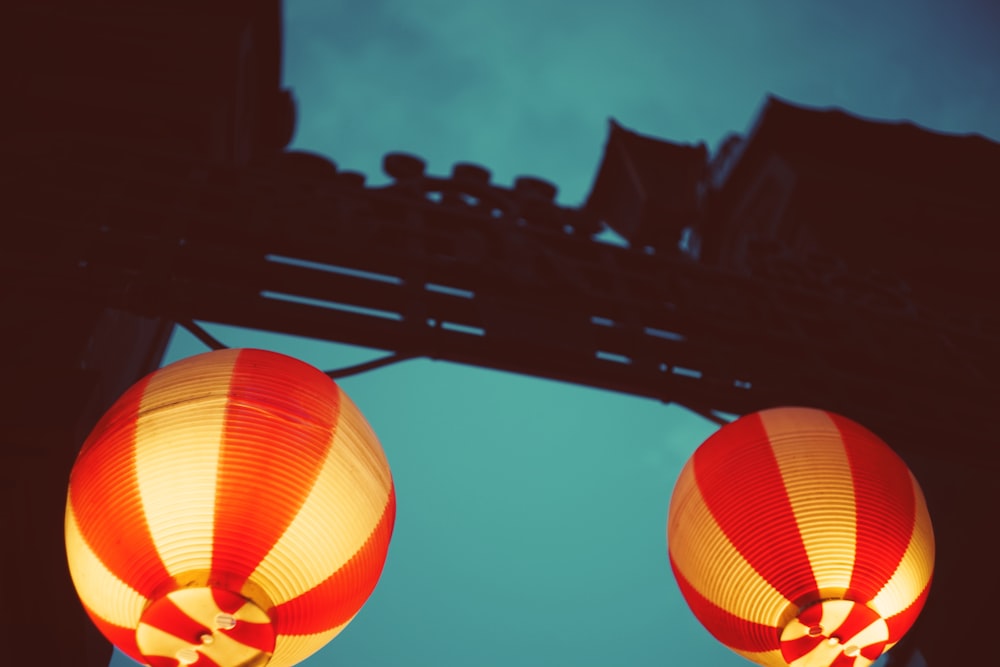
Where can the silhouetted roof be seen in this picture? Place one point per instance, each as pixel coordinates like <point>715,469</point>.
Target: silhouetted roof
<point>968,164</point>
<point>647,188</point>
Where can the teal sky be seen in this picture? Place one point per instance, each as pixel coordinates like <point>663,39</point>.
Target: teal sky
<point>531,519</point>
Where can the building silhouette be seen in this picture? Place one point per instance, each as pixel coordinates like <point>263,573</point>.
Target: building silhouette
<point>820,258</point>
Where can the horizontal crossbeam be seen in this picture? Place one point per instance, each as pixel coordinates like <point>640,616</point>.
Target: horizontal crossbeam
<point>401,269</point>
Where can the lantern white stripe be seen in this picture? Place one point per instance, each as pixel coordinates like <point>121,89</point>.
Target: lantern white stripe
<point>708,550</point>
<point>871,634</point>
<point>823,505</point>
<point>178,492</point>
<point>348,498</point>
<point>153,636</point>
<point>766,658</point>
<point>292,649</point>
<point>821,509</point>
<point>221,647</point>
<point>834,616</point>
<point>176,459</point>
<point>915,569</point>
<point>202,489</point>
<point>94,581</point>
<point>845,652</point>
<point>190,622</point>
<point>822,655</point>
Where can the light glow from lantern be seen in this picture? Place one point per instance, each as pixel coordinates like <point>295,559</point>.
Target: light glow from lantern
<point>799,538</point>
<point>235,504</point>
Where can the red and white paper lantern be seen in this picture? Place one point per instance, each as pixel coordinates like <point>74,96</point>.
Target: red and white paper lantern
<point>233,508</point>
<point>799,538</point>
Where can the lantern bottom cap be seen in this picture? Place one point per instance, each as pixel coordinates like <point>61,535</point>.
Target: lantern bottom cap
<point>189,624</point>
<point>834,632</point>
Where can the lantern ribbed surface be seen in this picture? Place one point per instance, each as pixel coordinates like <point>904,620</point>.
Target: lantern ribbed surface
<point>798,537</point>
<point>232,508</point>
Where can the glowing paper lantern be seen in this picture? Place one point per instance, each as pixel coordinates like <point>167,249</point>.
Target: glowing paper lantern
<point>233,508</point>
<point>797,537</point>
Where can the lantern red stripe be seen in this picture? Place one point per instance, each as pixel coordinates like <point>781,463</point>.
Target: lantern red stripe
<point>872,652</point>
<point>337,599</point>
<point>733,479</point>
<point>798,648</point>
<point>901,622</point>
<point>737,633</point>
<point>104,478</point>
<point>260,489</point>
<point>885,507</point>
<point>169,661</point>
<point>821,512</point>
<point>794,649</point>
<point>842,660</point>
<point>223,493</point>
<point>256,635</point>
<point>857,620</point>
<point>173,620</point>
<point>165,661</point>
<point>226,601</point>
<point>123,638</point>
<point>811,615</point>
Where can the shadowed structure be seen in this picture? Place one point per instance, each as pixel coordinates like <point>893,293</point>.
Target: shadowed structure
<point>151,186</point>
